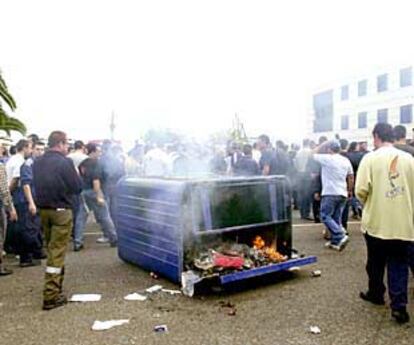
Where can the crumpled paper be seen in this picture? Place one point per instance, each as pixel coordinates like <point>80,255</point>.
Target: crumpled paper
<point>105,325</point>
<point>315,330</point>
<point>85,298</point>
<point>135,297</point>
<point>154,288</point>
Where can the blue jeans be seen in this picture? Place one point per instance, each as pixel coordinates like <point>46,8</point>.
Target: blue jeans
<point>101,213</point>
<point>332,207</point>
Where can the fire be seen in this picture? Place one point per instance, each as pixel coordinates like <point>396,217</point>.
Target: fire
<point>270,252</point>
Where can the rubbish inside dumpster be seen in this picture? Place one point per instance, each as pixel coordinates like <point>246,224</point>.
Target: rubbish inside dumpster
<point>230,257</point>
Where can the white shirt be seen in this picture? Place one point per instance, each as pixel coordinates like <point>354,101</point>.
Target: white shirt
<point>13,166</point>
<point>156,163</point>
<point>77,158</point>
<point>335,169</point>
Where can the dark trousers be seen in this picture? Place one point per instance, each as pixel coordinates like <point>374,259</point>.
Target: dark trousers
<point>392,254</point>
<point>29,234</point>
<point>305,195</point>
<point>316,210</point>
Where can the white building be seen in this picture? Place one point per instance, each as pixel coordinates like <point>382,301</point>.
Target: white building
<point>352,107</point>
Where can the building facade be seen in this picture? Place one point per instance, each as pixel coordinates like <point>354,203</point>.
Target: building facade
<point>352,107</point>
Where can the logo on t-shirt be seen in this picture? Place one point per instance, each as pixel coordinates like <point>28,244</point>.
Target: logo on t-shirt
<point>393,175</point>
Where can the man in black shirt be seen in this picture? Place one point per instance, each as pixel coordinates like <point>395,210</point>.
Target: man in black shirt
<point>246,165</point>
<point>273,162</point>
<point>92,198</point>
<point>56,182</point>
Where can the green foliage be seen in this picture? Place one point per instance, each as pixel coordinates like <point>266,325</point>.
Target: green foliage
<point>8,123</point>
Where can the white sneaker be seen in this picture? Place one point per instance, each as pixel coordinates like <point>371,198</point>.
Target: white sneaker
<point>102,240</point>
<point>340,246</point>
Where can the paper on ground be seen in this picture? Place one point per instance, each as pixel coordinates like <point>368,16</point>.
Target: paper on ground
<point>172,292</point>
<point>315,330</point>
<point>104,325</point>
<point>135,297</point>
<point>154,288</point>
<point>85,297</point>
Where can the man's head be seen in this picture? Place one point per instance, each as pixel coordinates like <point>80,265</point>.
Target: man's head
<point>306,143</point>
<point>353,146</point>
<point>24,147</point>
<point>322,139</point>
<point>38,149</point>
<point>79,146</point>
<point>280,145</point>
<point>247,150</point>
<point>400,133</point>
<point>58,141</point>
<point>334,146</point>
<point>33,138</point>
<point>344,144</point>
<point>382,133</point>
<point>363,146</point>
<point>93,151</point>
<point>263,142</point>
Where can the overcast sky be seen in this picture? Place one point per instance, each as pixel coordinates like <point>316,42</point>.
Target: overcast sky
<point>189,65</point>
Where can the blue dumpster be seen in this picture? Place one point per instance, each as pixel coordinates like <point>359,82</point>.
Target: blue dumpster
<point>161,220</point>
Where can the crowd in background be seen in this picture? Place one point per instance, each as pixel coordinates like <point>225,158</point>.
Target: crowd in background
<point>322,176</point>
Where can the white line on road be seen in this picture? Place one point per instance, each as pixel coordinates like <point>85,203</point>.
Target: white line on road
<point>316,224</point>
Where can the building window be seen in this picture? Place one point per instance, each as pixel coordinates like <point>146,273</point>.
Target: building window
<point>344,93</point>
<point>362,88</point>
<point>344,122</point>
<point>362,120</point>
<point>406,113</point>
<point>406,75</point>
<point>382,82</point>
<point>323,108</point>
<point>382,116</point>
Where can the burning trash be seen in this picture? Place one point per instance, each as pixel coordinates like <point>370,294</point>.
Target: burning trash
<point>228,257</point>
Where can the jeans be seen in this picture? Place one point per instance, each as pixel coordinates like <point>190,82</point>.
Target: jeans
<point>392,254</point>
<point>332,207</point>
<point>101,213</point>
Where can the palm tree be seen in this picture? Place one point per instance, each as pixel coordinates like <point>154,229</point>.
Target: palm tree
<point>8,123</point>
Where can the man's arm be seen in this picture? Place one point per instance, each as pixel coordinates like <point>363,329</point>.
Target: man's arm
<point>98,190</point>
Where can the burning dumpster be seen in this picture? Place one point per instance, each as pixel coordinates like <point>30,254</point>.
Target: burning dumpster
<point>188,230</point>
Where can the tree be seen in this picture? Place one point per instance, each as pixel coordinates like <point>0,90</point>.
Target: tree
<point>8,123</point>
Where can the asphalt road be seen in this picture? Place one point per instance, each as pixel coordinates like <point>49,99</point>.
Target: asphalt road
<point>278,310</point>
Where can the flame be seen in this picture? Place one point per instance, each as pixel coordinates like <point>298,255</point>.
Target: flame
<point>270,252</point>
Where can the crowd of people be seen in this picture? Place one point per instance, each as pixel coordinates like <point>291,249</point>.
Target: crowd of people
<point>47,191</point>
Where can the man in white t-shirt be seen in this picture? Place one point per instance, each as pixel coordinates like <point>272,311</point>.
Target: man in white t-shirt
<point>79,155</point>
<point>337,184</point>
<point>16,161</point>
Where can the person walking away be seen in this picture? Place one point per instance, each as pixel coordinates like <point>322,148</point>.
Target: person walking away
<point>385,187</point>
<point>113,169</point>
<point>92,198</point>
<point>77,156</point>
<point>29,219</point>
<point>337,184</point>
<point>6,205</point>
<point>54,198</point>
<point>246,165</point>
<point>304,180</point>
<point>14,231</point>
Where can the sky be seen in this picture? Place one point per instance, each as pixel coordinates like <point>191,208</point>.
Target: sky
<point>189,65</point>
